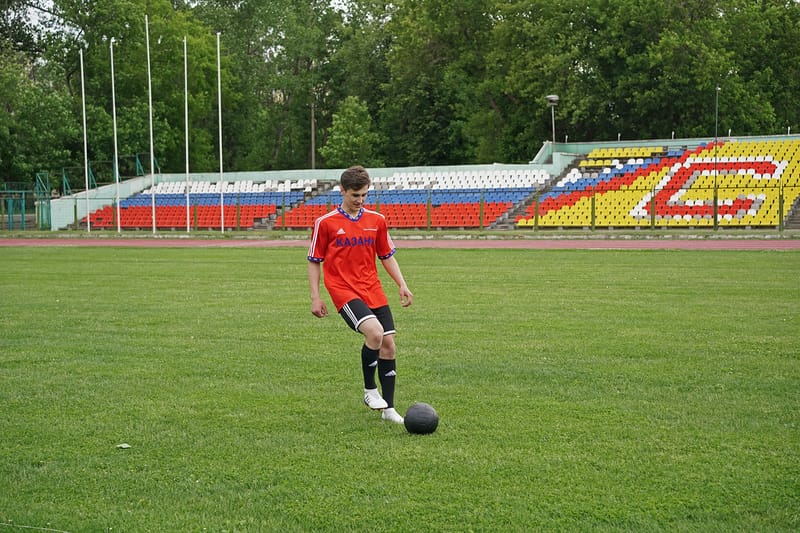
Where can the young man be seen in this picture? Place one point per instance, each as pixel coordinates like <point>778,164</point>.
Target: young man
<point>347,240</point>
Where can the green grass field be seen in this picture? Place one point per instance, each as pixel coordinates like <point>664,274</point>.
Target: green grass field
<point>577,390</point>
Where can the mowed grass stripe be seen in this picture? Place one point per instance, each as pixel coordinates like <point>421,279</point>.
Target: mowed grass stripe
<point>577,390</point>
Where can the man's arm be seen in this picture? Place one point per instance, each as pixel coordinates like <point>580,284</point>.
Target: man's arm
<point>318,307</point>
<point>393,269</point>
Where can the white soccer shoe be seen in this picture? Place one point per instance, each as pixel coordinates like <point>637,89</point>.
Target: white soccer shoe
<point>391,415</point>
<point>373,400</point>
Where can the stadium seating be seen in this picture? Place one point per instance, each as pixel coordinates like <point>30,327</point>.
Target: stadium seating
<point>457,199</point>
<point>245,203</point>
<point>727,183</point>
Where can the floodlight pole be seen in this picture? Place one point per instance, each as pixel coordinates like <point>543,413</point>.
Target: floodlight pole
<point>716,134</point>
<point>114,121</point>
<point>219,122</point>
<point>186,129</point>
<point>552,101</point>
<point>150,114</point>
<point>716,113</point>
<point>313,135</point>
<point>85,147</point>
<point>313,121</point>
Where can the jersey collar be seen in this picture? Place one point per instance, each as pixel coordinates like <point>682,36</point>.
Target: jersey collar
<point>349,216</point>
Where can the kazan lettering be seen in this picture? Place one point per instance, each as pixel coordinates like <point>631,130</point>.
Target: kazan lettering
<point>355,241</point>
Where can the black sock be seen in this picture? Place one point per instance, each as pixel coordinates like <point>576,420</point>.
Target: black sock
<point>386,375</point>
<point>369,361</point>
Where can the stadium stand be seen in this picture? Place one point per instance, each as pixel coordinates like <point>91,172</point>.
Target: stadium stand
<point>724,183</point>
<point>245,203</point>
<point>457,199</point>
<point>731,183</point>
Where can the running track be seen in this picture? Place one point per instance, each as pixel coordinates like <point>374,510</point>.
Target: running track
<point>517,243</point>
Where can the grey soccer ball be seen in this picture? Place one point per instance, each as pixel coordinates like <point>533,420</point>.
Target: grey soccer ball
<point>421,419</point>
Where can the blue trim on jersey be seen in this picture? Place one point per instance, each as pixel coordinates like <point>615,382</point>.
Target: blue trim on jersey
<point>382,257</point>
<point>355,218</point>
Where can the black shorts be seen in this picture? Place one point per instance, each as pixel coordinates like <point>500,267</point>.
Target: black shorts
<point>356,311</point>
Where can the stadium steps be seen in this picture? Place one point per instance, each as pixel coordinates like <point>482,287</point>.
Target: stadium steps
<point>321,188</point>
<point>793,218</point>
<point>509,220</point>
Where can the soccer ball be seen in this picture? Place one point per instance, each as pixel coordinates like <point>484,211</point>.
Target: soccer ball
<point>421,419</point>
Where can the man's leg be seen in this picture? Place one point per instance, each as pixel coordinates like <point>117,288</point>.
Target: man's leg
<point>387,369</point>
<point>361,318</point>
<point>373,337</point>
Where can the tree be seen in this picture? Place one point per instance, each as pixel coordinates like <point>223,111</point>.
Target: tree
<point>437,81</point>
<point>10,81</point>
<point>358,64</point>
<point>36,128</point>
<point>91,27</point>
<point>16,29</point>
<point>435,62</point>
<point>277,50</point>
<point>352,138</point>
<point>533,52</point>
<point>764,37</point>
<point>640,69</point>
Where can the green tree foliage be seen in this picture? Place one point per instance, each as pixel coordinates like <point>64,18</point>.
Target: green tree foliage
<point>359,67</point>
<point>435,62</point>
<point>277,53</point>
<point>92,28</point>
<point>37,127</point>
<point>764,42</point>
<point>11,78</point>
<point>352,138</point>
<point>441,81</point>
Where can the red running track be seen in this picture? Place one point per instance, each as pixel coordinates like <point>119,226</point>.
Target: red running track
<point>533,244</point>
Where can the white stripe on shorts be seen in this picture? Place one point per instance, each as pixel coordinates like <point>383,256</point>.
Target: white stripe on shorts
<point>352,316</point>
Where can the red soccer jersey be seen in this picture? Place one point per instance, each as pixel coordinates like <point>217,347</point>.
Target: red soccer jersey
<point>348,247</point>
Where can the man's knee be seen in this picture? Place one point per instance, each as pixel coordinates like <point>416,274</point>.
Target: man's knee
<point>388,347</point>
<point>373,333</point>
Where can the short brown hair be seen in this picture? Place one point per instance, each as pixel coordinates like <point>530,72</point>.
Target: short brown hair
<point>354,178</point>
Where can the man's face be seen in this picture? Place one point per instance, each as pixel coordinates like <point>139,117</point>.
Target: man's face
<point>353,200</point>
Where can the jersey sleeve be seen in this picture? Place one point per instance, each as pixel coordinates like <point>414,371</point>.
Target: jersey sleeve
<point>319,242</point>
<point>384,248</point>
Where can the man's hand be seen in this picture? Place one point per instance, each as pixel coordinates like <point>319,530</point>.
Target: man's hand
<point>405,296</point>
<point>318,308</point>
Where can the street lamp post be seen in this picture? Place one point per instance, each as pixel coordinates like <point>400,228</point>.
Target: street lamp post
<point>716,136</point>
<point>716,114</point>
<point>552,101</point>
